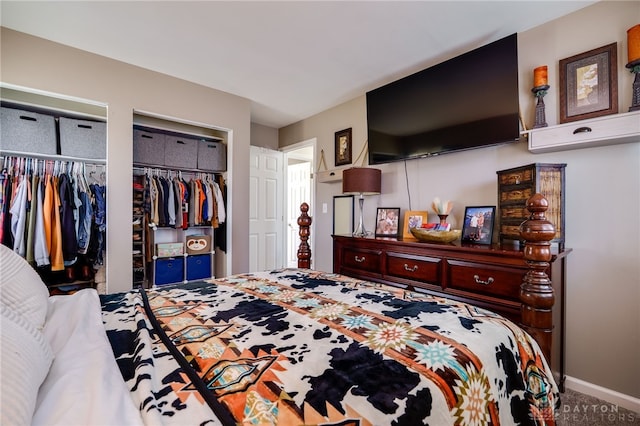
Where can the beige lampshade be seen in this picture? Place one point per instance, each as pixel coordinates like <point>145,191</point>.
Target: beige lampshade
<point>361,180</point>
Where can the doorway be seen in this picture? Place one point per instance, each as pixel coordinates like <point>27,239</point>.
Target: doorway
<point>299,160</point>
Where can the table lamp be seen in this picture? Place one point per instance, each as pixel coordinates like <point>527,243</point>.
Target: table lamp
<point>362,181</point>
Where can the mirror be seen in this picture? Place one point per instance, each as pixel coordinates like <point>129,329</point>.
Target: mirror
<point>343,215</point>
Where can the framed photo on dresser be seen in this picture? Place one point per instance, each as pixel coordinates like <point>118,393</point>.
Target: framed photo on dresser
<point>387,222</point>
<point>477,226</point>
<point>413,219</point>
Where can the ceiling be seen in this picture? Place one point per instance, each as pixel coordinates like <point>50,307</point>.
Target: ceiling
<point>292,59</point>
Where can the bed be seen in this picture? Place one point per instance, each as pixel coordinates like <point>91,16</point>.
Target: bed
<point>287,347</point>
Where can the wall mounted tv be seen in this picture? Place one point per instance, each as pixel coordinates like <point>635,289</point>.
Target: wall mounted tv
<point>470,101</point>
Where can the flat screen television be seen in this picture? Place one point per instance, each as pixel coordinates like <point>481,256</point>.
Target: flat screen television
<point>467,102</point>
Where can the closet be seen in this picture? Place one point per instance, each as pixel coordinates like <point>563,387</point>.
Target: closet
<point>53,186</point>
<point>179,201</point>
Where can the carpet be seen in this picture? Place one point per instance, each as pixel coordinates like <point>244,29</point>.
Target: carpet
<point>585,410</point>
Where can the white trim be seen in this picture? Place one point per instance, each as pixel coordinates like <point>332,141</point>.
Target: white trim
<point>286,150</point>
<point>176,120</point>
<point>611,396</point>
<point>46,93</point>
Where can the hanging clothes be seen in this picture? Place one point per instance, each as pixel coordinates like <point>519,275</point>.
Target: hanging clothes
<point>18,213</point>
<point>172,201</point>
<point>40,249</point>
<point>67,220</point>
<point>100,222</point>
<point>7,191</point>
<point>47,213</point>
<point>32,209</point>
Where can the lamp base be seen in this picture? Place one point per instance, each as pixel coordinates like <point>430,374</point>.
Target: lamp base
<point>362,233</point>
<point>360,230</point>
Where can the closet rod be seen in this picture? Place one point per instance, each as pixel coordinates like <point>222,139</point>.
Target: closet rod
<point>52,157</point>
<point>139,167</point>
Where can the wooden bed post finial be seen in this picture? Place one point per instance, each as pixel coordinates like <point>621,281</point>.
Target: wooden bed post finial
<point>304,251</point>
<point>536,291</point>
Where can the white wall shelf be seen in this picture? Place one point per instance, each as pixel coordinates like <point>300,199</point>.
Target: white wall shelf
<point>600,131</point>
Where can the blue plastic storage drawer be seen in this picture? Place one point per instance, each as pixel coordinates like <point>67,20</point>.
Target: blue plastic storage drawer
<point>198,267</point>
<point>169,270</point>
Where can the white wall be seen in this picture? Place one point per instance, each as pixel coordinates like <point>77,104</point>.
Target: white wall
<point>39,64</point>
<point>602,196</point>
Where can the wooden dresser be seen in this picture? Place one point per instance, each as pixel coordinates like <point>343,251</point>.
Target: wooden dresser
<point>485,276</point>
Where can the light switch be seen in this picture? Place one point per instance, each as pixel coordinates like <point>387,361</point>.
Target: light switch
<point>324,207</point>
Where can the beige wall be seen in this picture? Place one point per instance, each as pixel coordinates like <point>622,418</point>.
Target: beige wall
<point>264,136</point>
<point>603,186</point>
<point>35,63</point>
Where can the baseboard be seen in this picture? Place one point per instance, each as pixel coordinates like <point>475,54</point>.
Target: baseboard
<point>611,396</point>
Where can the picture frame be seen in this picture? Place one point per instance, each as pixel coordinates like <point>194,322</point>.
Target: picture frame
<point>589,84</point>
<point>343,214</point>
<point>413,218</point>
<point>477,224</point>
<point>387,221</point>
<point>343,149</point>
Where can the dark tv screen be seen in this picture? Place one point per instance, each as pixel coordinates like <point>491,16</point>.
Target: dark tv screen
<point>467,102</point>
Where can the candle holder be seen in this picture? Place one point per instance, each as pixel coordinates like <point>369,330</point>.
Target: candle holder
<point>540,92</point>
<point>634,67</point>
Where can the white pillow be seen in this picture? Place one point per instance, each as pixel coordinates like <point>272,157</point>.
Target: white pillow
<point>21,288</point>
<point>24,363</point>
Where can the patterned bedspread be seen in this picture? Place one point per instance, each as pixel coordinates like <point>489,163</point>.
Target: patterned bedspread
<point>300,347</point>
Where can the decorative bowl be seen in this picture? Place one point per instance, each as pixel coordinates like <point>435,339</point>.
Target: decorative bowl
<point>431,236</point>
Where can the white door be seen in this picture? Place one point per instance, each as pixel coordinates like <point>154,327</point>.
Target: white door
<point>298,191</point>
<point>266,216</point>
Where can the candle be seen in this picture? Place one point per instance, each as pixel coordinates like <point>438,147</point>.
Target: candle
<point>540,76</point>
<point>633,43</point>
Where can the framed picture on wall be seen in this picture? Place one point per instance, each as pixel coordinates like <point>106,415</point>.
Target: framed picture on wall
<point>343,147</point>
<point>387,222</point>
<point>589,84</point>
<point>413,219</point>
<point>477,227</point>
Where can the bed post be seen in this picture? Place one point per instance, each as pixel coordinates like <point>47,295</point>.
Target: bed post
<point>304,252</point>
<point>536,291</point>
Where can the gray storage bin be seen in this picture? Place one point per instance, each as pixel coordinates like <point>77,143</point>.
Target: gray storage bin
<point>148,148</point>
<point>82,138</point>
<point>181,152</point>
<point>212,156</point>
<point>26,131</point>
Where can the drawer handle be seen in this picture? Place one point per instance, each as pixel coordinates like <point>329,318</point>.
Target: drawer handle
<point>359,259</point>
<point>406,268</point>
<point>479,281</point>
<point>582,130</point>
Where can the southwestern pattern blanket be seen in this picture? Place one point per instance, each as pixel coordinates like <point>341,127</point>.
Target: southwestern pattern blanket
<point>296,346</point>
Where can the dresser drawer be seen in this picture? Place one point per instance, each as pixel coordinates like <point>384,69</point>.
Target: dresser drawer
<point>514,213</point>
<point>519,195</point>
<point>490,280</point>
<point>510,230</point>
<point>362,259</point>
<point>416,268</point>
<point>516,177</point>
